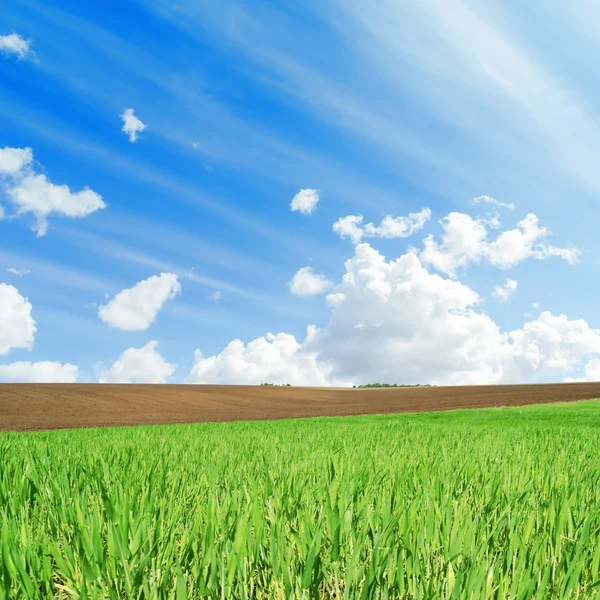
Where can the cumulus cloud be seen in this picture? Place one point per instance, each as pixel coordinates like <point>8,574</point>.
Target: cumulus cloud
<point>592,372</point>
<point>553,344</point>
<point>131,124</point>
<point>395,321</point>
<point>39,372</point>
<point>31,192</point>
<point>504,292</point>
<point>349,227</point>
<point>273,358</point>
<point>17,327</point>
<point>140,365</point>
<point>305,201</point>
<point>391,227</point>
<point>35,194</point>
<point>216,295</point>
<point>135,309</point>
<point>306,283</point>
<point>464,242</point>
<point>14,44</point>
<point>334,300</point>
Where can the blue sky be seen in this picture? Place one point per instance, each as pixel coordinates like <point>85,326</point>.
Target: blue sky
<point>383,110</point>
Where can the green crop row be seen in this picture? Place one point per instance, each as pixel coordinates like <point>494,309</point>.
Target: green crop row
<point>499,503</point>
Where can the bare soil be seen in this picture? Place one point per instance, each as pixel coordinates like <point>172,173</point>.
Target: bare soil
<point>30,407</point>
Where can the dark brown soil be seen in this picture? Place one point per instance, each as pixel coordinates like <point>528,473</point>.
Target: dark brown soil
<point>28,407</point>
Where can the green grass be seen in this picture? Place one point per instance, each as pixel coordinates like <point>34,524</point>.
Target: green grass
<point>499,503</point>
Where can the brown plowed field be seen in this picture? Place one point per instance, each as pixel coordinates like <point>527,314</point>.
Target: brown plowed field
<point>27,407</point>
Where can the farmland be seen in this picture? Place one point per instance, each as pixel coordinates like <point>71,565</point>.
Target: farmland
<point>29,407</point>
<point>491,503</point>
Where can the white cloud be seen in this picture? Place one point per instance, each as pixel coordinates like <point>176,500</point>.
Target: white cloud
<point>306,283</point>
<point>390,227</point>
<point>135,309</point>
<point>39,372</point>
<point>349,227</point>
<point>399,227</point>
<point>504,292</point>
<point>19,272</point>
<point>31,192</point>
<point>334,300</point>
<point>13,43</point>
<point>397,322</point>
<point>17,327</point>
<point>305,201</point>
<point>272,358</point>
<point>216,296</point>
<point>592,372</point>
<point>535,305</point>
<point>552,344</point>
<point>493,202</point>
<point>131,124</point>
<point>465,242</point>
<point>37,195</point>
<point>14,160</point>
<point>139,365</point>
<point>1,212</point>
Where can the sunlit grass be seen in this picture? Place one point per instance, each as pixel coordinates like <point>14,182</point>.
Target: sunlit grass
<point>497,503</point>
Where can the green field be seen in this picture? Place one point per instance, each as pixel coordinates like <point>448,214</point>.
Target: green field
<point>496,503</point>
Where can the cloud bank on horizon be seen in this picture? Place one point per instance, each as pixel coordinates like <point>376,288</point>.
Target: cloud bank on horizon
<point>393,221</point>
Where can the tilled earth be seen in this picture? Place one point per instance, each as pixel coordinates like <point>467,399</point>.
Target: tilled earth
<point>29,407</point>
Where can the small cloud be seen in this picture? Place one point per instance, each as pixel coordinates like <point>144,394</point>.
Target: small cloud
<point>535,305</point>
<point>208,167</point>
<point>32,192</point>
<point>216,296</point>
<point>136,308</point>
<point>14,44</point>
<point>307,283</point>
<point>390,227</point>
<point>139,365</point>
<point>493,202</point>
<point>1,212</point>
<point>305,201</point>
<point>504,292</point>
<point>131,124</point>
<point>91,305</point>
<point>195,145</point>
<point>19,272</point>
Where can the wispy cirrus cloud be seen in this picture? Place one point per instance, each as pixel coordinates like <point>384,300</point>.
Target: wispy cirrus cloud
<point>468,82</point>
